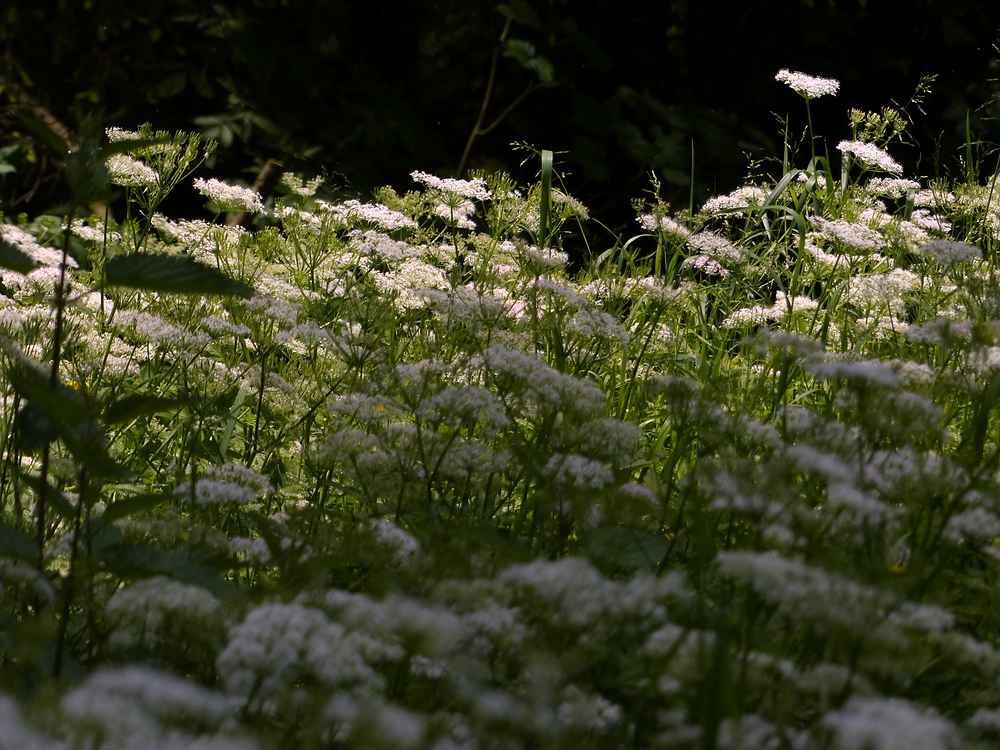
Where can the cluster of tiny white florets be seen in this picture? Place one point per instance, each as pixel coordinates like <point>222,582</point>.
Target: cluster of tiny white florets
<point>870,156</point>
<point>230,197</point>
<point>227,484</point>
<point>130,172</point>
<point>808,86</point>
<point>473,189</point>
<point>665,224</point>
<point>27,244</point>
<point>373,213</point>
<point>735,203</point>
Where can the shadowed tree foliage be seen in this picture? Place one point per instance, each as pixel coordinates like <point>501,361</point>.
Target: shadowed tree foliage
<point>372,91</point>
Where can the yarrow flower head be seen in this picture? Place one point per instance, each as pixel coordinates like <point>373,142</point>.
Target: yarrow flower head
<point>807,86</point>
<point>871,156</point>
<point>230,197</point>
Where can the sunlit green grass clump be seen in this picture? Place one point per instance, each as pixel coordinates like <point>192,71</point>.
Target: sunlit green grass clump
<point>419,473</point>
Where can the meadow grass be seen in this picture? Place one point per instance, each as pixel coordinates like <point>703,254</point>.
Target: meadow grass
<point>399,474</point>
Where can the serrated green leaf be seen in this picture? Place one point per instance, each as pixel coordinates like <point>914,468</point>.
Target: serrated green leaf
<point>48,136</point>
<point>131,505</point>
<point>129,560</point>
<point>179,274</point>
<point>16,544</point>
<point>55,499</point>
<point>14,259</point>
<point>626,547</point>
<point>136,405</point>
<point>67,414</point>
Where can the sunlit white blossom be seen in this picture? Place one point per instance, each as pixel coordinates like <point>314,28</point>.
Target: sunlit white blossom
<point>230,197</point>
<point>475,189</point>
<point>808,86</point>
<point>870,156</point>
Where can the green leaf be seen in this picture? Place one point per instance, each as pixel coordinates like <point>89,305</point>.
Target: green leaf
<point>128,561</point>
<point>47,135</point>
<point>179,274</point>
<point>526,56</point>
<point>55,499</point>
<point>137,405</point>
<point>16,544</point>
<point>87,175</point>
<point>546,199</point>
<point>64,413</point>
<point>131,505</point>
<point>626,547</point>
<point>14,259</point>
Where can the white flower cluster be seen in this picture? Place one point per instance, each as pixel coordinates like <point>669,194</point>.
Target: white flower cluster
<point>889,724</point>
<point>474,189</point>
<point>808,86</point>
<point>93,232</point>
<point>143,611</point>
<point>851,234</point>
<point>388,534</point>
<point>27,244</point>
<point>664,224</point>
<point>576,472</point>
<point>230,197</point>
<point>734,203</point>
<point>885,289</point>
<point>130,172</point>
<point>870,156</point>
<point>229,483</point>
<point>947,253</point>
<point>530,377</point>
<point>373,213</point>
<point>891,187</point>
<point>280,648</point>
<point>460,214</point>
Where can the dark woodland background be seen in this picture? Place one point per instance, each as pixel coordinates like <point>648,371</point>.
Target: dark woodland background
<point>365,92</point>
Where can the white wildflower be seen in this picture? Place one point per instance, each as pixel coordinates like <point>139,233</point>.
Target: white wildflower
<point>889,724</point>
<point>460,214</point>
<point>577,472</point>
<point>803,593</point>
<point>475,189</point>
<point>853,235</point>
<point>373,213</point>
<point>129,172</point>
<point>707,265</point>
<point>882,288</point>
<point>924,219</point>
<point>549,257</point>
<point>870,156</point>
<point>715,246</point>
<point>947,253</point>
<point>756,315</point>
<point>741,198</point>
<point>93,232</point>
<point>229,483</point>
<point>808,86</point>
<point>27,244</point>
<point>388,534</point>
<point>891,187</point>
<point>664,224</point>
<point>279,648</point>
<point>230,197</point>
<point>593,323</point>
